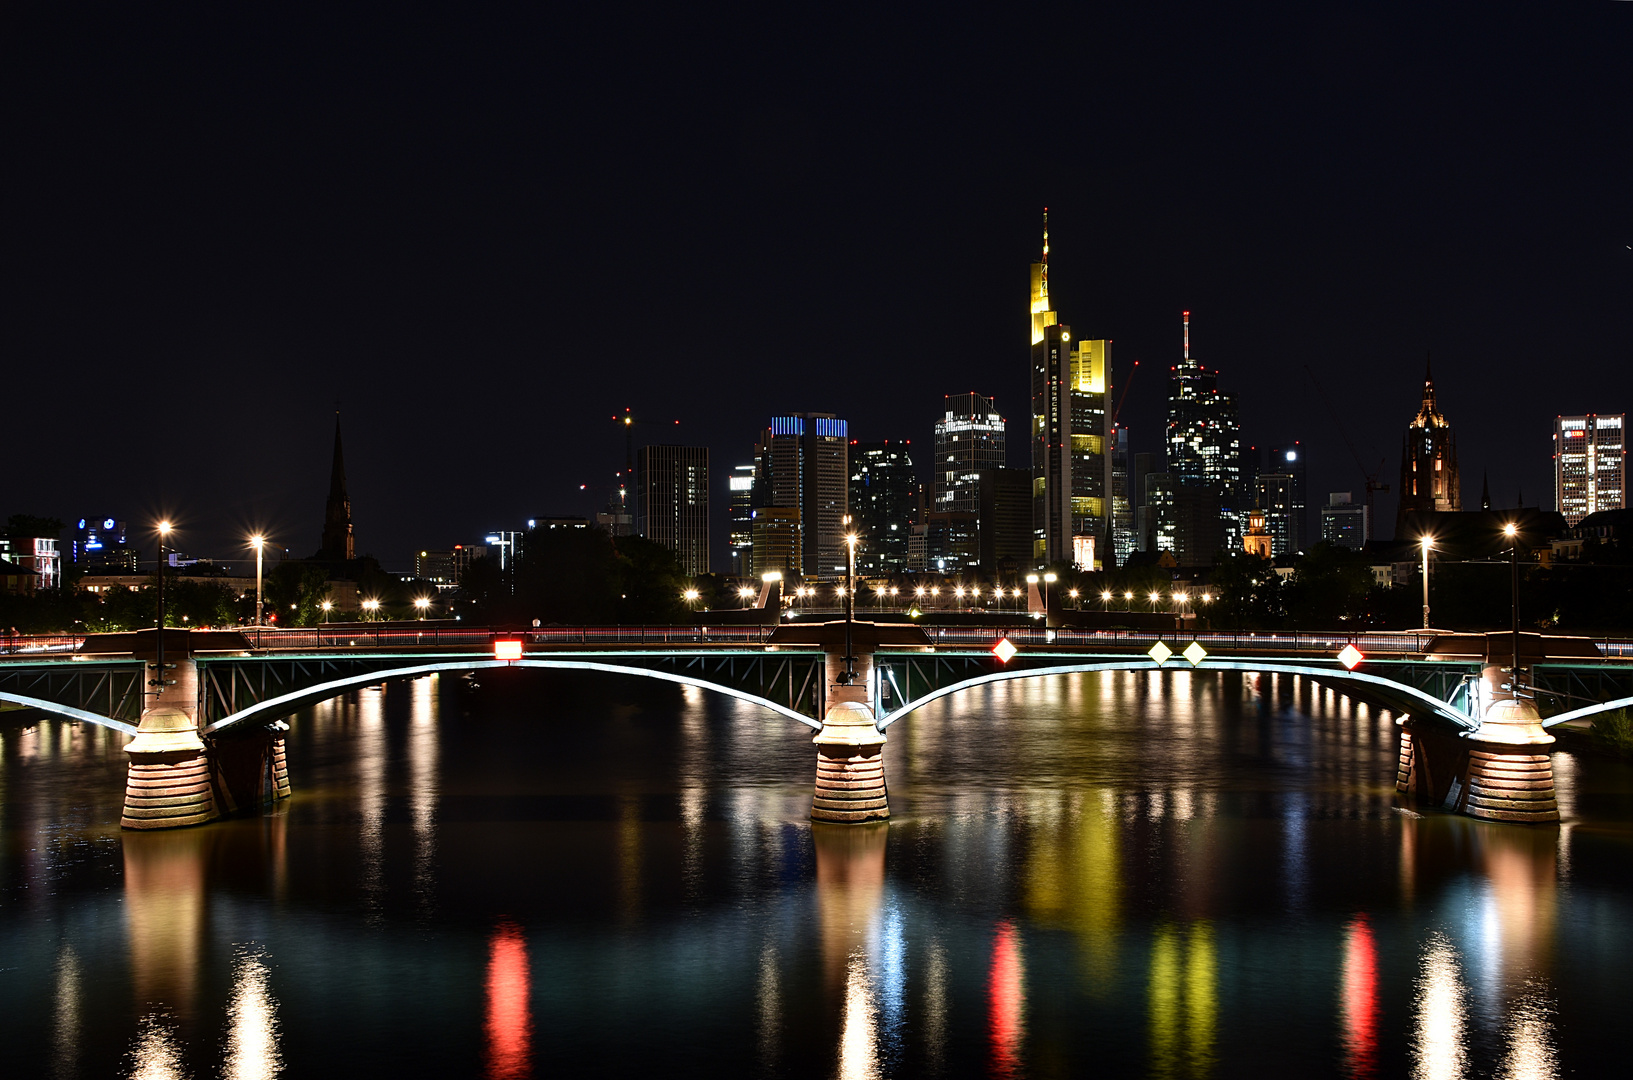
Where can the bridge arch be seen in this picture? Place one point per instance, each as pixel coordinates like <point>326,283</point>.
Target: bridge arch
<point>1587,711</point>
<point>1385,688</point>
<point>287,703</point>
<point>69,712</point>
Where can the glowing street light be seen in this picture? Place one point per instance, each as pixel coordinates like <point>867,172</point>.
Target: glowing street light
<point>1427,542</point>
<point>422,603</point>
<point>745,594</point>
<point>257,542</point>
<point>372,609</point>
<point>164,534</point>
<point>327,606</point>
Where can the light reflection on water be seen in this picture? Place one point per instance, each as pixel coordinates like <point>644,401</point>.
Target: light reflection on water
<point>1081,874</point>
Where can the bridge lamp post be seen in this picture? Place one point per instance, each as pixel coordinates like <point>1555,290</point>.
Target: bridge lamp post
<point>1512,531</point>
<point>849,591</point>
<point>164,534</point>
<point>1128,600</point>
<point>257,542</point>
<point>327,606</point>
<point>1427,542</point>
<point>371,609</point>
<point>1156,598</point>
<point>1049,578</point>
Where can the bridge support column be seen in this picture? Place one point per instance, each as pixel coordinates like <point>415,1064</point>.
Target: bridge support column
<point>250,768</point>
<point>850,779</point>
<point>169,782</point>
<point>1502,772</point>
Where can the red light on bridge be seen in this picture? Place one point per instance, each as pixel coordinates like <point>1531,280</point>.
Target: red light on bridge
<point>1349,656</point>
<point>1005,650</point>
<point>510,649</point>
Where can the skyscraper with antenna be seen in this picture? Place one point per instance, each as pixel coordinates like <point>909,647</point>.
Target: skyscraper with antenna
<point>1071,433</point>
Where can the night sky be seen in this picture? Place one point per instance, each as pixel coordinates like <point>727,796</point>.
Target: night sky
<point>484,236</point>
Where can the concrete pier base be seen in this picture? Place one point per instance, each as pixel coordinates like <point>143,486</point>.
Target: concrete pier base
<point>250,769</point>
<point>850,778</point>
<point>169,782</point>
<point>1502,772</point>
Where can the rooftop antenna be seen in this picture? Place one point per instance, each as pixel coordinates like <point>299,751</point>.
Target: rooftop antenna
<point>1043,288</point>
<point>1187,320</point>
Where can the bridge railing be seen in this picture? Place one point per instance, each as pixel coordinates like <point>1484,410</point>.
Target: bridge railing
<point>29,644</point>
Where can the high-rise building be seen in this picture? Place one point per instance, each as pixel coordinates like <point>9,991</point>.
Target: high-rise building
<point>801,465</point>
<point>1428,461</point>
<point>969,438</point>
<point>1203,440</point>
<point>1344,521</point>
<point>1280,491</point>
<point>339,543</point>
<point>1590,464</point>
<point>1125,500</point>
<point>741,537</point>
<point>883,496</point>
<point>1005,520</point>
<point>1071,428</point>
<point>1183,519</point>
<point>672,502</point>
<point>1091,441</point>
<point>776,545</point>
<point>946,542</point>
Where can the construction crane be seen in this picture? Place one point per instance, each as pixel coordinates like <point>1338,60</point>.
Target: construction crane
<point>1124,398</point>
<point>1372,484</point>
<point>628,421</point>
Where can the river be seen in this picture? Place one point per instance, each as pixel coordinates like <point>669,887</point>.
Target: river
<point>1168,874</point>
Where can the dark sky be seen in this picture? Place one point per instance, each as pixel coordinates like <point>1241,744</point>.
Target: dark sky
<point>483,236</point>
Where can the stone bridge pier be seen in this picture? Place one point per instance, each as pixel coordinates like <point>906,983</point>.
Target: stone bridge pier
<point>175,777</point>
<point>1503,771</point>
<point>850,774</point>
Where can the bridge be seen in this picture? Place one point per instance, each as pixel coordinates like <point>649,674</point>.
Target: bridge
<point>208,726</point>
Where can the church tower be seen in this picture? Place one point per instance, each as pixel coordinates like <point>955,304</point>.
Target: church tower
<point>1428,461</point>
<point>338,541</point>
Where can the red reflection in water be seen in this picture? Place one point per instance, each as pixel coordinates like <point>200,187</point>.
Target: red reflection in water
<point>510,1024</point>
<point>1006,992</point>
<point>1360,998</point>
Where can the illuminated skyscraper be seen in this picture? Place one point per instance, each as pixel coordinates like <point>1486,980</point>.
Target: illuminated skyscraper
<point>884,496</point>
<point>1071,429</point>
<point>801,465</point>
<point>1428,461</point>
<point>672,502</point>
<point>741,539</point>
<point>1204,449</point>
<point>969,438</point>
<point>1590,464</point>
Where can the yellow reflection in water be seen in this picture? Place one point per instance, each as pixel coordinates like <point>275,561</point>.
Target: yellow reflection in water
<point>1438,1049</point>
<point>66,1021</point>
<point>157,1053</point>
<point>423,754</point>
<point>164,913</point>
<point>252,1023</point>
<point>858,1035</point>
<point>1183,1000</point>
<point>1530,1040</point>
<point>1075,881</point>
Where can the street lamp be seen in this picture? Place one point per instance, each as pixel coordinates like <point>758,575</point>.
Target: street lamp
<point>1427,542</point>
<point>745,594</point>
<point>164,534</point>
<point>327,606</point>
<point>849,674</point>
<point>422,602</point>
<point>257,542</point>
<point>1512,531</point>
<point>372,607</point>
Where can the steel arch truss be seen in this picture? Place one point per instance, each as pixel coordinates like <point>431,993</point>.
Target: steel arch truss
<point>237,688</point>
<point>109,693</point>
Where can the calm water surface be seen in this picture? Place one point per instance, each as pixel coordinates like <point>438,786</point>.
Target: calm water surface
<point>1131,874</point>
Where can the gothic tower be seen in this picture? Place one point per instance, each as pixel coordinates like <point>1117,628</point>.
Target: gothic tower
<point>338,541</point>
<point>1428,460</point>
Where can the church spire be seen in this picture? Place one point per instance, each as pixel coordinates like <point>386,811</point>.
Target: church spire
<point>338,541</point>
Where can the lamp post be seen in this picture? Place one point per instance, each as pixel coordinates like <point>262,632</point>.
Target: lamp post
<point>257,542</point>
<point>1512,531</point>
<point>1428,542</point>
<point>1049,578</point>
<point>327,606</point>
<point>849,675</point>
<point>164,534</point>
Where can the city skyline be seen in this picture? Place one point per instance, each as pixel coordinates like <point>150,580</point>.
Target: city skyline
<point>449,273</point>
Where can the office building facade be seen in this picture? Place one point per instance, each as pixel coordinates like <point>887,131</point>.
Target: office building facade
<point>740,540</point>
<point>1344,521</point>
<point>1203,444</point>
<point>801,464</point>
<point>672,502</point>
<point>1590,464</point>
<point>1004,520</point>
<point>969,438</point>
<point>884,494</point>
